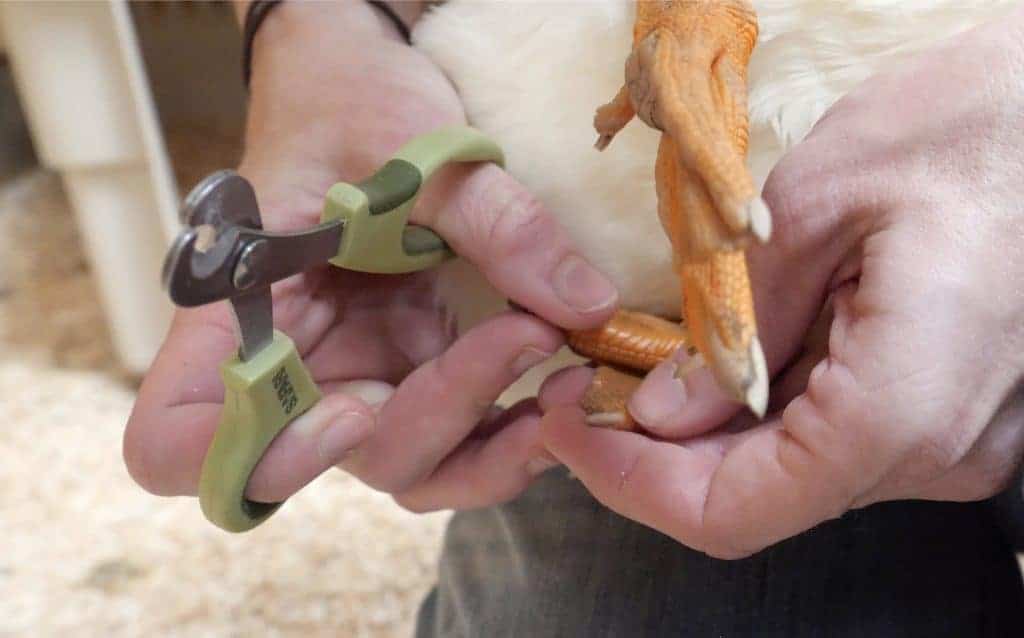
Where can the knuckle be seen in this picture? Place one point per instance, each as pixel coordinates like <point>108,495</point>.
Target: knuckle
<point>810,200</point>
<point>786,187</point>
<point>390,469</point>
<point>820,436</point>
<point>453,375</point>
<point>460,373</point>
<point>474,221</point>
<point>518,224</point>
<point>830,405</point>
<point>789,201</point>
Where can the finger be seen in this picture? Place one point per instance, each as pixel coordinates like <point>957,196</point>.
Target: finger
<point>382,336</point>
<point>732,495</point>
<point>313,443</point>
<point>875,414</point>
<point>495,223</point>
<point>565,387</point>
<point>180,401</point>
<point>440,403</point>
<point>164,452</point>
<point>660,484</point>
<point>385,325</point>
<point>488,471</point>
<point>674,407</point>
<point>676,488</point>
<point>176,413</point>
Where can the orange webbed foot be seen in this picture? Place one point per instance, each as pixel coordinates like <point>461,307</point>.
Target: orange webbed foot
<point>607,397</point>
<point>631,340</point>
<point>629,345</point>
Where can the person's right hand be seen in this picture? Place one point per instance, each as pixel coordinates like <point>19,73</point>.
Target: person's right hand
<point>407,407</point>
<point>900,217</point>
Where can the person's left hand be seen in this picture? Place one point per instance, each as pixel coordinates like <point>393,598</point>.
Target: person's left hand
<point>408,403</point>
<point>905,207</point>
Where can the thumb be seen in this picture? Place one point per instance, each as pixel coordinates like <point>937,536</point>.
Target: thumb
<point>491,220</point>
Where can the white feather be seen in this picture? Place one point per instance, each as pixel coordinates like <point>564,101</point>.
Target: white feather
<point>532,74</point>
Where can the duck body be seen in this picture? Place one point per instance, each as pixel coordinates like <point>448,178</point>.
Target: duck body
<point>531,75</point>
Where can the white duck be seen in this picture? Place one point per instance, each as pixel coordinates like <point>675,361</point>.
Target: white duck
<point>532,75</point>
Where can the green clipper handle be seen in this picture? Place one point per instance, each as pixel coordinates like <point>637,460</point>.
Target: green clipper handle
<point>377,236</point>
<point>266,393</point>
<point>261,397</point>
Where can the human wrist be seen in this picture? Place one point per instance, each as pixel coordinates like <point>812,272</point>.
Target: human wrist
<point>283,31</point>
<point>356,17</point>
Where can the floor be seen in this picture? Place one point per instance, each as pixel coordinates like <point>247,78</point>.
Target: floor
<point>88,553</point>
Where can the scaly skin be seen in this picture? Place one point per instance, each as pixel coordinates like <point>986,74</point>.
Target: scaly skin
<point>631,340</point>
<point>686,77</point>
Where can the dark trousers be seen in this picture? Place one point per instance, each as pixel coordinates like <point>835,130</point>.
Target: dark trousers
<point>557,563</point>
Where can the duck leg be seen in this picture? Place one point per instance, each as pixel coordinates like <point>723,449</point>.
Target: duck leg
<point>628,345</point>
<point>686,77</point>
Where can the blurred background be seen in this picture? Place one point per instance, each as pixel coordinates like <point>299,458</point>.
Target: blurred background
<point>108,113</point>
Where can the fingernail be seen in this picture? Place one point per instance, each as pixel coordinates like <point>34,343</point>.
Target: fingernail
<point>528,358</point>
<point>539,465</point>
<point>369,391</point>
<point>343,434</point>
<point>582,287</point>
<point>657,404</point>
<point>760,219</point>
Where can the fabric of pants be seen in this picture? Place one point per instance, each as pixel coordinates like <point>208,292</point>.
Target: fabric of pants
<point>555,562</point>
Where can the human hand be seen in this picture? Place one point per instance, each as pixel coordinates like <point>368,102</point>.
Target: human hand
<point>903,207</point>
<point>407,406</point>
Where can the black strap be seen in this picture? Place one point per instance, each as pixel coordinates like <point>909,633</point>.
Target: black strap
<point>258,11</point>
<point>390,14</point>
<point>254,16</point>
